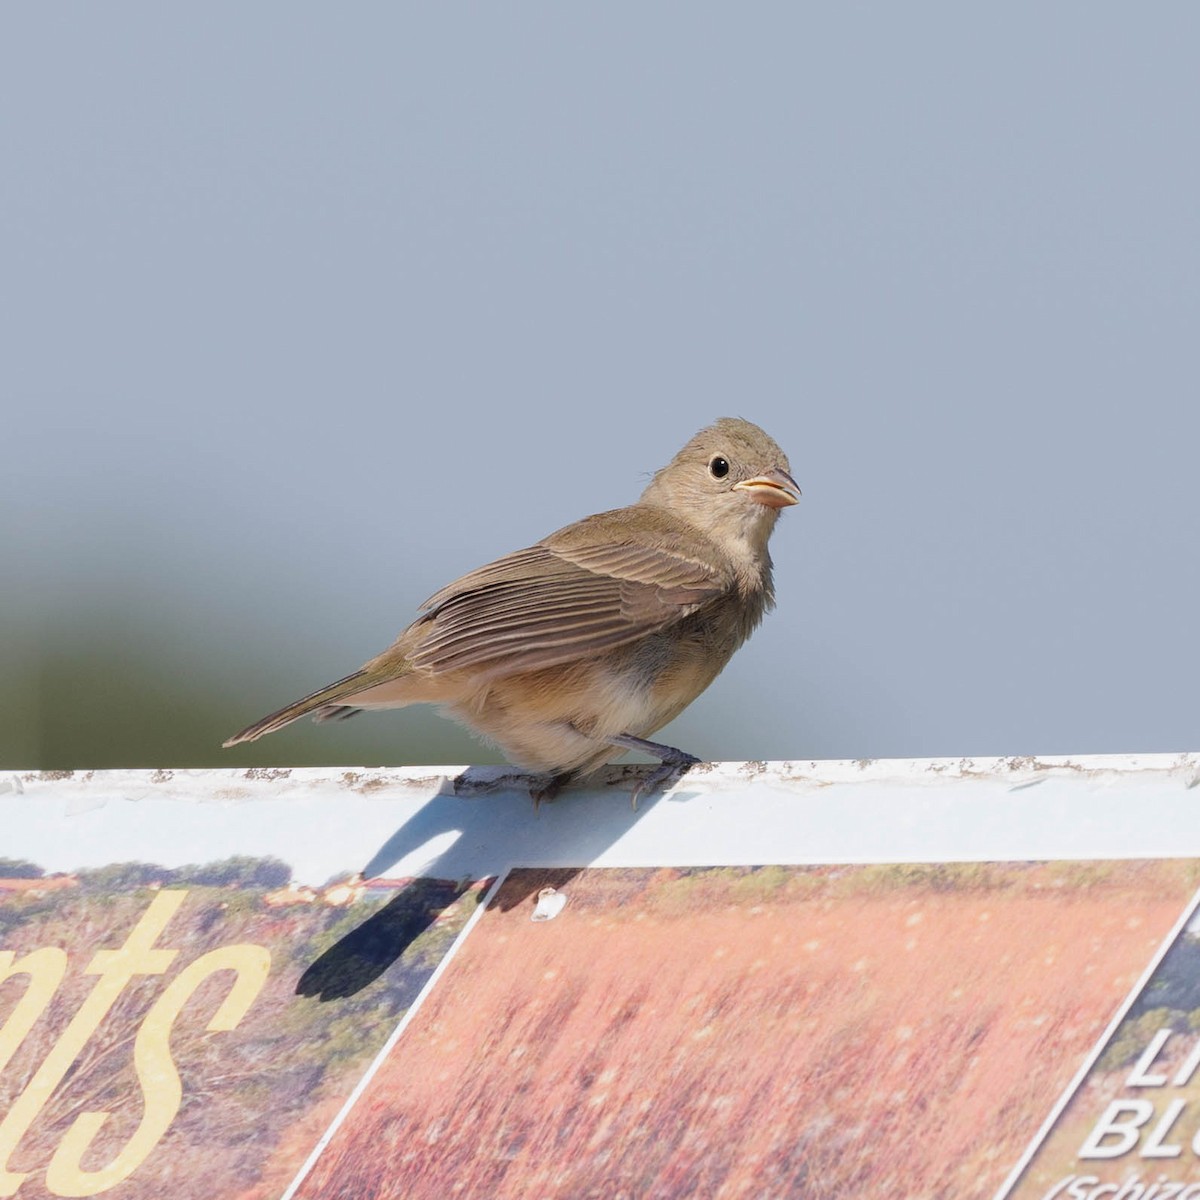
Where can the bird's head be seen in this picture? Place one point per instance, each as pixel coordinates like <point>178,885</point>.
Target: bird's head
<point>731,480</point>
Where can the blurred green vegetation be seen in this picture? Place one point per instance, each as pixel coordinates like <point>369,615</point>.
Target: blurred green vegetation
<point>130,687</point>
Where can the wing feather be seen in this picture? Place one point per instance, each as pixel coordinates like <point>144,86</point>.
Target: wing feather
<point>553,603</point>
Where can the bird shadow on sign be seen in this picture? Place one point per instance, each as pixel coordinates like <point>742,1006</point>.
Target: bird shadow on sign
<point>489,807</point>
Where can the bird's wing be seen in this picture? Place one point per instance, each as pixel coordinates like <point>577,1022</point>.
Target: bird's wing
<point>558,601</point>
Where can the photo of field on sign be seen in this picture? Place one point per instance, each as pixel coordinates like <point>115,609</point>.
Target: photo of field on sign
<point>823,1032</point>
<point>1135,1119</point>
<point>214,1018</point>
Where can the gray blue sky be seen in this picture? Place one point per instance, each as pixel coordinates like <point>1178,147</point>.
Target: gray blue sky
<point>307,309</point>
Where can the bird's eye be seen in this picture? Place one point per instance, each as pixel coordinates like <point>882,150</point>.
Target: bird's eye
<point>718,467</point>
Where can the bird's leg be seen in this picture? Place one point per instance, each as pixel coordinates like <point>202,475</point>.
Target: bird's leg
<point>672,762</point>
<point>667,755</point>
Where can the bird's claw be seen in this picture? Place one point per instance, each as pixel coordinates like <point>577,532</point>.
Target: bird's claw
<point>670,769</point>
<point>545,789</point>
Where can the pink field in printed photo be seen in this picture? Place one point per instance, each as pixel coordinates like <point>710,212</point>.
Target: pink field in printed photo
<point>818,1032</point>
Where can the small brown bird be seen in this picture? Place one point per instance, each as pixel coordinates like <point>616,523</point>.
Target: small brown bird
<point>570,652</point>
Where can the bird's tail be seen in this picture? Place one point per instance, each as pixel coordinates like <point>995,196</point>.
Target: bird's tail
<point>325,698</point>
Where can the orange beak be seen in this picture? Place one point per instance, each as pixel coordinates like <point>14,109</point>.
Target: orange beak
<point>775,489</point>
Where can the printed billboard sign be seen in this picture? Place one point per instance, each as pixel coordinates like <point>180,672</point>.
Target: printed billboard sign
<point>366,984</point>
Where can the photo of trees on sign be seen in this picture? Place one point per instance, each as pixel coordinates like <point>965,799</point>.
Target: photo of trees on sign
<point>1134,1121</point>
<point>266,1000</point>
<point>817,1032</point>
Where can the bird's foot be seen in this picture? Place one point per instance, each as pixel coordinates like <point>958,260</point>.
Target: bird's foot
<point>485,781</point>
<point>673,763</point>
<point>668,771</point>
<point>545,788</point>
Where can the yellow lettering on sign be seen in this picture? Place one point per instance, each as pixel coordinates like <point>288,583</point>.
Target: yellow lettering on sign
<point>45,969</point>
<point>158,1079</point>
